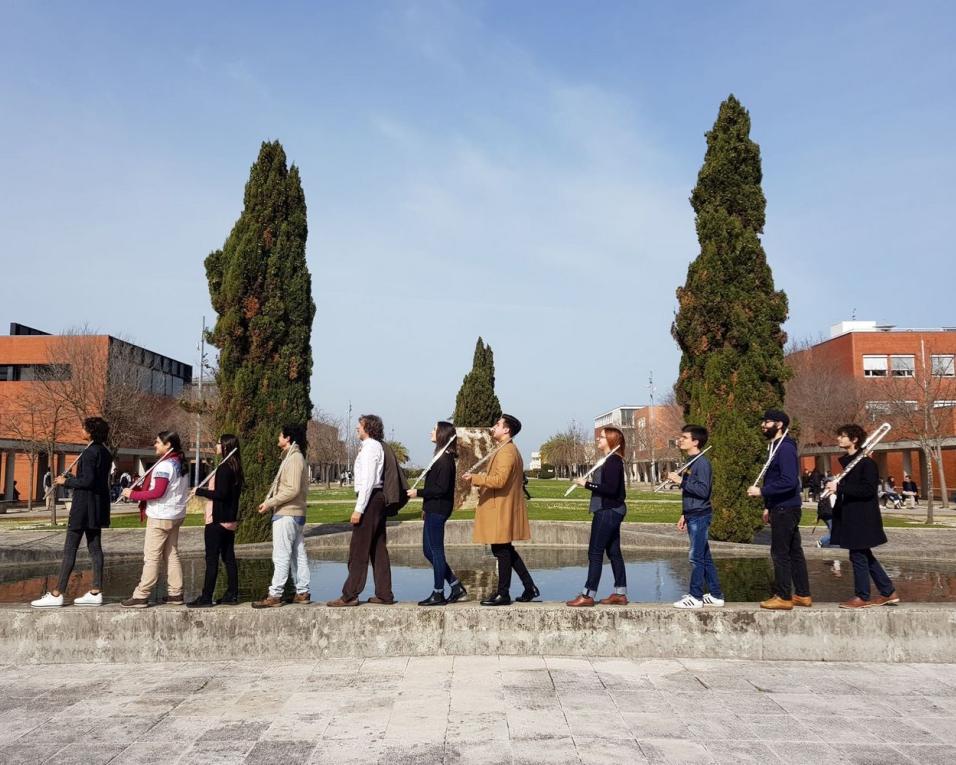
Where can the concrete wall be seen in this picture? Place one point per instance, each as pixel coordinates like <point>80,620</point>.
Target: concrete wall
<point>923,633</point>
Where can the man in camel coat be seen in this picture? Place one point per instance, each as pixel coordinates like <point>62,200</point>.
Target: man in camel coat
<point>502,514</point>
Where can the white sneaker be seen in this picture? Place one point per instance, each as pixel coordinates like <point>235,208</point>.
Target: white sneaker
<point>710,600</point>
<point>688,601</point>
<point>48,601</point>
<point>89,600</point>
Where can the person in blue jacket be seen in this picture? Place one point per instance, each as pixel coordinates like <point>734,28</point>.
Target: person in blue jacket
<point>696,514</point>
<point>783,503</point>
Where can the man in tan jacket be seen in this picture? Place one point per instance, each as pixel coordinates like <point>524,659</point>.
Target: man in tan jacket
<point>502,514</point>
<point>287,503</point>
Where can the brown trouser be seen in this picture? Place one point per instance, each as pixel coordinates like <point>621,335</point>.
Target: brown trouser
<point>161,552</point>
<point>368,545</point>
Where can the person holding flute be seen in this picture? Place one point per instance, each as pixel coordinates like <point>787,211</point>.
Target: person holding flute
<point>607,513</point>
<point>222,520</point>
<point>89,515</point>
<point>783,501</point>
<point>695,482</point>
<point>438,500</point>
<point>165,507</point>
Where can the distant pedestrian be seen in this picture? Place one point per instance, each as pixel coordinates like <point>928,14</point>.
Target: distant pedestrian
<point>89,514</point>
<point>287,501</point>
<point>164,503</point>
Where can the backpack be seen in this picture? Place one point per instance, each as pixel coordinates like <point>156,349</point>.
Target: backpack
<point>825,509</point>
<point>394,483</point>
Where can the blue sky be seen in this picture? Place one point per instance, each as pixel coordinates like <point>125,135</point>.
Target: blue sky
<point>518,171</point>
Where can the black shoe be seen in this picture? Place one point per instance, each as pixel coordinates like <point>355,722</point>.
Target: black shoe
<point>529,594</point>
<point>199,602</point>
<point>227,600</point>
<point>497,600</point>
<point>458,592</point>
<point>435,599</point>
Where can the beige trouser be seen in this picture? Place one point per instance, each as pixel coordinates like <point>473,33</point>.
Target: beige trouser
<point>161,551</point>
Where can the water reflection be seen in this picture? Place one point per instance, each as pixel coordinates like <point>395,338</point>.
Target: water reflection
<point>653,576</point>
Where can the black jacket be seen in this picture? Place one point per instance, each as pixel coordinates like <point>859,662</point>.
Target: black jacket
<point>438,492</point>
<point>225,495</point>
<point>91,489</point>
<point>608,492</point>
<point>781,482</point>
<point>857,523</point>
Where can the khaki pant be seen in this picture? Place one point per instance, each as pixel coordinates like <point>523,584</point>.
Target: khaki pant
<point>161,552</point>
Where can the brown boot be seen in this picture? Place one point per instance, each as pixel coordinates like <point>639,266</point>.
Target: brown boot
<point>174,600</point>
<point>889,600</point>
<point>802,600</point>
<point>135,603</point>
<point>614,599</point>
<point>581,601</point>
<point>776,603</point>
<point>340,603</point>
<point>268,602</point>
<point>302,597</point>
<point>375,600</point>
<point>856,602</point>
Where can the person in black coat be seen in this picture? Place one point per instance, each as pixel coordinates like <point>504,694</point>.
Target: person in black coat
<point>857,523</point>
<point>607,509</point>
<point>222,520</point>
<point>438,495</point>
<point>89,514</point>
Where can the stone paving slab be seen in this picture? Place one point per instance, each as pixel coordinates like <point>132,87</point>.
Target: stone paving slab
<point>479,709</point>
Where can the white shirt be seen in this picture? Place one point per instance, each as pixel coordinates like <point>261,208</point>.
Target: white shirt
<point>172,505</point>
<point>369,469</point>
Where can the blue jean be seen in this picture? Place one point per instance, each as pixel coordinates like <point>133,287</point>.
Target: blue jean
<point>701,561</point>
<point>288,556</point>
<point>865,565</point>
<point>825,540</point>
<point>433,545</point>
<point>605,538</point>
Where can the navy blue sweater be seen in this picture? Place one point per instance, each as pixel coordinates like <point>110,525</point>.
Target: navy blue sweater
<point>781,484</point>
<point>695,488</point>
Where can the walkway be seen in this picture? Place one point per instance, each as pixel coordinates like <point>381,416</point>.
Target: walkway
<point>479,710</point>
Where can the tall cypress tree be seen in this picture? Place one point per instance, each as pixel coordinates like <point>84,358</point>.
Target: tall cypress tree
<point>262,291</point>
<point>729,321</point>
<point>477,405</point>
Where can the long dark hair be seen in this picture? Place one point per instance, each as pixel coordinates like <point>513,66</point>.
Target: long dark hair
<point>228,442</point>
<point>173,441</point>
<point>443,433</point>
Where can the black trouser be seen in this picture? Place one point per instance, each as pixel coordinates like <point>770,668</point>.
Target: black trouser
<point>509,559</point>
<point>866,565</point>
<point>72,544</point>
<point>369,544</point>
<point>789,565</point>
<point>220,543</point>
<point>605,538</point>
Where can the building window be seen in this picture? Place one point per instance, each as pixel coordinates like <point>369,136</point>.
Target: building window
<point>874,366</point>
<point>941,404</point>
<point>903,366</point>
<point>944,366</point>
<point>31,372</point>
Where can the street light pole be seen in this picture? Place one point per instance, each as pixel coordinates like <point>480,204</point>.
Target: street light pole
<point>202,363</point>
<point>650,429</point>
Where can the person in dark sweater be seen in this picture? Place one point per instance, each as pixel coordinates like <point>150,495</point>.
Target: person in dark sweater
<point>89,514</point>
<point>857,522</point>
<point>438,495</point>
<point>222,516</point>
<point>783,504</point>
<point>696,514</point>
<point>607,513</point>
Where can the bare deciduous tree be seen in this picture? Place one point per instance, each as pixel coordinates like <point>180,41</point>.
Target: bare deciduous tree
<point>326,445</point>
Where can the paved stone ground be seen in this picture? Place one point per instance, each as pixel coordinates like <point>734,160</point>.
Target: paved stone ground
<point>479,710</point>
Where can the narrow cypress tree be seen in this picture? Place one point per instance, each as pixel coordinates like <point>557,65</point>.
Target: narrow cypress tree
<point>262,291</point>
<point>729,321</point>
<point>477,405</point>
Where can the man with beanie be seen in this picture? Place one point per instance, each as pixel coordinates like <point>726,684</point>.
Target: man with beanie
<point>782,498</point>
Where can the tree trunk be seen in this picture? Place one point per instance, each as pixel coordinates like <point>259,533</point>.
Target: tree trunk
<point>938,454</point>
<point>929,484</point>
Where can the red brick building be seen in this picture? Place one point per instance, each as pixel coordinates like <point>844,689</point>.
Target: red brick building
<point>32,362</point>
<point>903,376</point>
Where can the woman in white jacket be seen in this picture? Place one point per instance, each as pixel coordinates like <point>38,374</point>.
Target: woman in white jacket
<point>164,503</point>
